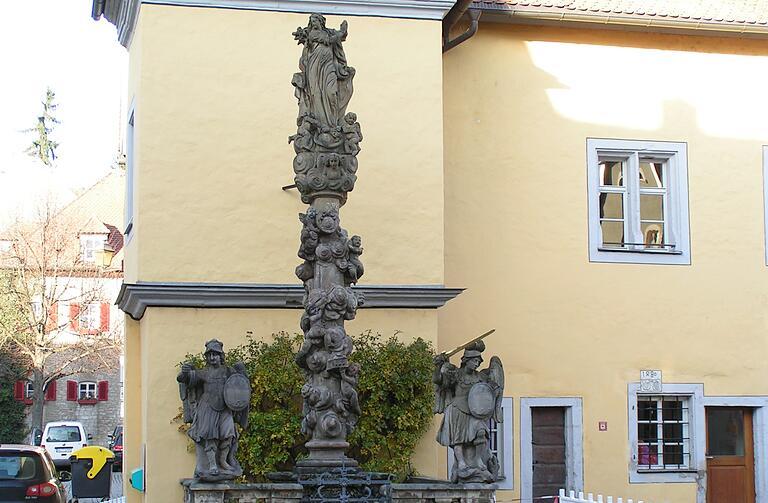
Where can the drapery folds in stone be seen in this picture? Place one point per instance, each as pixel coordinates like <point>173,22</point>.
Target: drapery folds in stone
<point>326,142</point>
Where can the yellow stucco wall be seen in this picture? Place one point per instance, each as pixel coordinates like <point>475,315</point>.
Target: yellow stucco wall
<point>215,109</point>
<point>169,334</point>
<point>519,105</point>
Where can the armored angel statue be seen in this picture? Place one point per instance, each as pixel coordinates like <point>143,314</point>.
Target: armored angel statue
<point>215,398</point>
<point>469,398</point>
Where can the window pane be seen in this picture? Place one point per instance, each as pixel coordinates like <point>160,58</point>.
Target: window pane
<point>647,432</point>
<point>725,432</point>
<point>672,410</point>
<point>653,234</point>
<point>651,207</point>
<point>613,233</point>
<point>611,205</point>
<point>651,173</point>
<point>673,454</point>
<point>673,432</point>
<point>612,173</point>
<point>646,410</point>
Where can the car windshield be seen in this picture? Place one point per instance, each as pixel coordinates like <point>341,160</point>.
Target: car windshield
<point>19,466</point>
<point>63,434</point>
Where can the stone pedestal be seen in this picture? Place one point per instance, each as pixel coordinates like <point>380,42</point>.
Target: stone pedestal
<point>437,492</point>
<point>431,492</point>
<point>200,492</point>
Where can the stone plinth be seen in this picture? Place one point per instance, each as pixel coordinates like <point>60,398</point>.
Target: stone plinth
<point>201,492</point>
<point>435,492</point>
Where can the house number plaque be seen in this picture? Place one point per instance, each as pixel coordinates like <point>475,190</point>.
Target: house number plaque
<point>650,381</point>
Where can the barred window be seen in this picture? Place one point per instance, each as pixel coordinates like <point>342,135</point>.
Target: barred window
<point>663,426</point>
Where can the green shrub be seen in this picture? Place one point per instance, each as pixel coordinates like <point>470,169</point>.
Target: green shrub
<point>395,395</point>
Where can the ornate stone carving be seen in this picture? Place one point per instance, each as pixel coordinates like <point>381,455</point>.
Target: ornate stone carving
<point>328,138</point>
<point>215,398</point>
<point>326,144</point>
<point>468,398</point>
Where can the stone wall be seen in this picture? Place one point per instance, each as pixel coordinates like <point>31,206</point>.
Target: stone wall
<point>99,417</point>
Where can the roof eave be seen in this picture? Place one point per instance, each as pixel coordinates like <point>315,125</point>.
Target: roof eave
<point>623,21</point>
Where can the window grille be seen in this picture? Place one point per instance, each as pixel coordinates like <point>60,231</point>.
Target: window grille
<point>663,426</point>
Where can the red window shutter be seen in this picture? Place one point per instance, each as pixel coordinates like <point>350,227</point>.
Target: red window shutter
<point>105,317</point>
<point>103,391</point>
<point>50,391</point>
<point>53,315</point>
<point>72,391</point>
<point>74,317</point>
<point>18,390</point>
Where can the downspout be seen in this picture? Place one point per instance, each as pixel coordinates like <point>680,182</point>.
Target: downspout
<point>453,17</point>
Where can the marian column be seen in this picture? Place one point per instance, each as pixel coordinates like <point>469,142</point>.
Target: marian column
<point>326,143</point>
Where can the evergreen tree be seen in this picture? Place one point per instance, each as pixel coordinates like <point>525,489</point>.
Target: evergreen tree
<point>12,427</point>
<point>43,146</point>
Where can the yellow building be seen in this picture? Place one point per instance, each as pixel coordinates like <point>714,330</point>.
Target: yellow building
<point>590,172</point>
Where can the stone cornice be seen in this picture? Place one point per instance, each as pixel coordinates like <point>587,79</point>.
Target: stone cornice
<point>414,9</point>
<point>135,298</point>
<point>125,13</point>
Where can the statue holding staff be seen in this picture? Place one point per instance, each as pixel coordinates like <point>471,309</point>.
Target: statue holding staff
<point>469,398</point>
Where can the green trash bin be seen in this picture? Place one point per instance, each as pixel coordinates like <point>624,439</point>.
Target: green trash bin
<point>92,472</point>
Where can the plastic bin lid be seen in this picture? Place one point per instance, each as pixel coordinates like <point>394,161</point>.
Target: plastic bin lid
<point>99,456</point>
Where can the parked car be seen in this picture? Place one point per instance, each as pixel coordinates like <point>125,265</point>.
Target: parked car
<point>35,436</point>
<point>27,474</point>
<point>62,438</point>
<point>116,445</point>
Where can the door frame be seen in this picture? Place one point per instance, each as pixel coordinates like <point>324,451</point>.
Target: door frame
<point>759,404</point>
<point>574,442</point>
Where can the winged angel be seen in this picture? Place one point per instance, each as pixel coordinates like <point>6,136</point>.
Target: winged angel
<point>469,398</point>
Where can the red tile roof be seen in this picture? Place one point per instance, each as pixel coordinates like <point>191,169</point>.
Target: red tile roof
<point>747,13</point>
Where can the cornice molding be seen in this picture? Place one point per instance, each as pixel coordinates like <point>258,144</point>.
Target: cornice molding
<point>125,13</point>
<point>413,9</point>
<point>135,298</point>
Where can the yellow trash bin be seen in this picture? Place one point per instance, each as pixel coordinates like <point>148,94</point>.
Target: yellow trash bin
<point>92,472</point>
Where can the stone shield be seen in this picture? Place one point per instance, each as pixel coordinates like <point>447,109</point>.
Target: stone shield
<point>237,392</point>
<point>481,400</point>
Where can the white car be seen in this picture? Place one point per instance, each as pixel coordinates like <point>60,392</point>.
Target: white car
<point>62,438</point>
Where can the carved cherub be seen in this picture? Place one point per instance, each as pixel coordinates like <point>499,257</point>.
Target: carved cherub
<point>352,133</point>
<point>303,140</point>
<point>355,249</point>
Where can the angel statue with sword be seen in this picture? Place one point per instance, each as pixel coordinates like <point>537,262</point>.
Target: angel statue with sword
<point>468,398</point>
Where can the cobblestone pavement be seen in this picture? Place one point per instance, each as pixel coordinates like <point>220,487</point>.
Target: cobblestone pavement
<point>115,494</point>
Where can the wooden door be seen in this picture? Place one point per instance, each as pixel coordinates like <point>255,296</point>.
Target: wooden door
<point>730,455</point>
<point>548,436</point>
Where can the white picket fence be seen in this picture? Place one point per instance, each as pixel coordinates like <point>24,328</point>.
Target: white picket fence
<point>572,497</point>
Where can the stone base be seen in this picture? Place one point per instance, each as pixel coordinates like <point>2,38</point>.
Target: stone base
<point>431,492</point>
<point>203,492</point>
<point>443,492</point>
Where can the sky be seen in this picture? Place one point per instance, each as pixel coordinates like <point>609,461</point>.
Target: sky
<point>56,44</point>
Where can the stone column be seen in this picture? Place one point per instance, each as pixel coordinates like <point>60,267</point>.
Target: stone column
<point>326,144</point>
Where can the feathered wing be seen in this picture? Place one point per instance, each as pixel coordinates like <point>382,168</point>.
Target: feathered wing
<point>496,376</point>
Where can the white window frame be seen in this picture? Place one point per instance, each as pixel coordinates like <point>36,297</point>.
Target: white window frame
<point>574,442</point>
<point>90,316</point>
<point>505,446</point>
<point>676,217</point>
<point>83,389</point>
<point>29,390</point>
<point>90,245</point>
<point>697,433</point>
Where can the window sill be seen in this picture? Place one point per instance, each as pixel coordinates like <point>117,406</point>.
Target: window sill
<point>645,250</point>
<point>659,470</point>
<point>87,402</point>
